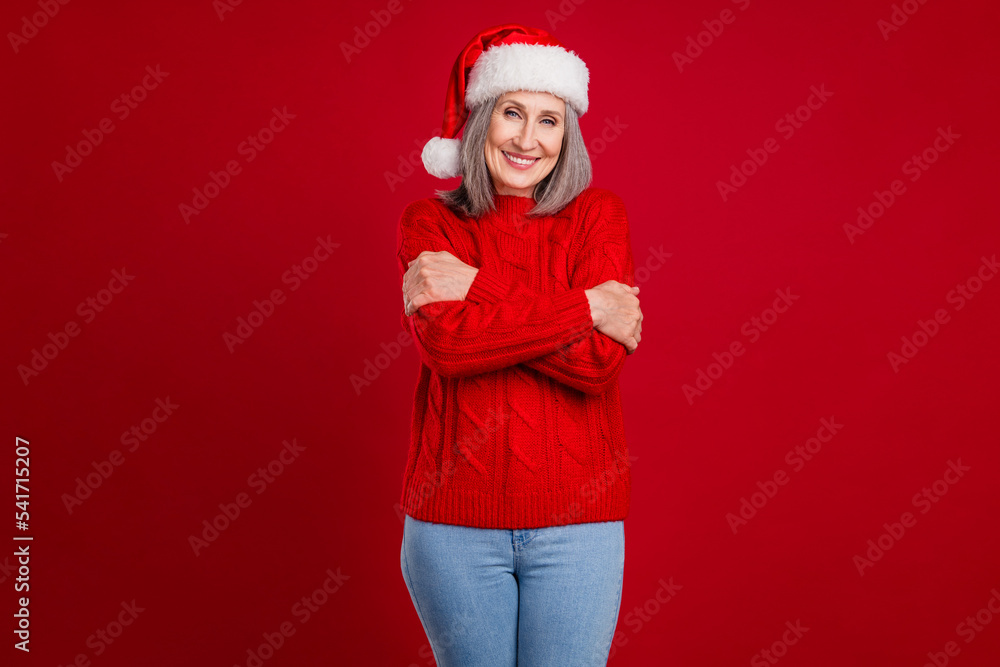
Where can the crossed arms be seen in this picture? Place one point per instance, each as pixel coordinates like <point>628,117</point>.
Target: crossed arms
<point>500,323</point>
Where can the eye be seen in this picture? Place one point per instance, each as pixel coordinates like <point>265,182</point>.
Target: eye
<point>551,122</point>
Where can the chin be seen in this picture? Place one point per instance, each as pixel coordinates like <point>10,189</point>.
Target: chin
<point>520,186</point>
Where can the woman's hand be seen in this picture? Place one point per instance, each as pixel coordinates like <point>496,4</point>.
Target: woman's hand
<point>614,307</point>
<point>435,276</point>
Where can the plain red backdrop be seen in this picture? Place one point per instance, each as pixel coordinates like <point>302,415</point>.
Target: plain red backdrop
<point>342,168</point>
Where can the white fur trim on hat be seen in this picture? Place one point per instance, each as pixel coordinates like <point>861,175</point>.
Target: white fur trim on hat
<point>442,157</point>
<point>534,67</point>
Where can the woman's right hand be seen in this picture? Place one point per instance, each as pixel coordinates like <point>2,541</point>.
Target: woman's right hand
<point>614,307</point>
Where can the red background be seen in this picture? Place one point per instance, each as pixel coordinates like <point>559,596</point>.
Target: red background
<point>325,175</point>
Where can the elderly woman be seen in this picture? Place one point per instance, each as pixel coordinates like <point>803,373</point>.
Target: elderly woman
<point>518,290</point>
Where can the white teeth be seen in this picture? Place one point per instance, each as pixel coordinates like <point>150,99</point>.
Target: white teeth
<point>517,160</point>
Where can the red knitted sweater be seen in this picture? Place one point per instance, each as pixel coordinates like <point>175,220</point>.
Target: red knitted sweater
<point>517,416</point>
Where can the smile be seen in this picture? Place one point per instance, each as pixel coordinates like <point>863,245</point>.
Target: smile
<point>520,162</point>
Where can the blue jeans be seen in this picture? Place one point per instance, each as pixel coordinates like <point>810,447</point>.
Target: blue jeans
<point>532,597</point>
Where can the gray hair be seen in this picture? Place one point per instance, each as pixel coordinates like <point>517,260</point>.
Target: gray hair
<point>571,175</point>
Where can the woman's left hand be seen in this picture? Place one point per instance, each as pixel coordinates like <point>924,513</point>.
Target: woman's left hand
<point>435,276</point>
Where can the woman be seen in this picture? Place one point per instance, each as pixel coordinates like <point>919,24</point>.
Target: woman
<point>517,287</point>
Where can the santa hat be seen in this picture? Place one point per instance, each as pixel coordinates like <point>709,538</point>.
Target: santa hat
<point>499,60</point>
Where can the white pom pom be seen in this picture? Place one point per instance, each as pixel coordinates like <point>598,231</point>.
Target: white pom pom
<point>442,157</point>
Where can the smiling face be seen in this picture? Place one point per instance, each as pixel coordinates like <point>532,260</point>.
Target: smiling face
<point>524,140</point>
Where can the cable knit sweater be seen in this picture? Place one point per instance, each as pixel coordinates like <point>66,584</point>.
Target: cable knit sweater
<point>517,416</point>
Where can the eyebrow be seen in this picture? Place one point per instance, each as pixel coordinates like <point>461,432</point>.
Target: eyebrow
<point>524,108</point>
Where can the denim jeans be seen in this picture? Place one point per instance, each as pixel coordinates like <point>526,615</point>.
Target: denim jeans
<point>531,597</point>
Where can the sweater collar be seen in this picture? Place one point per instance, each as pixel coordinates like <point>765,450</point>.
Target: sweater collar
<point>511,210</point>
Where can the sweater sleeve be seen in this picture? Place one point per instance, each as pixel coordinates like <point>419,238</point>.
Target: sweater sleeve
<point>591,361</point>
<point>459,338</point>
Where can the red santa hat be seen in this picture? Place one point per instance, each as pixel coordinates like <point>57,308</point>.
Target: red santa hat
<point>498,60</point>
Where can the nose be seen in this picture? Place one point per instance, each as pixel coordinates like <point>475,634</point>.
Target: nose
<point>526,137</point>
